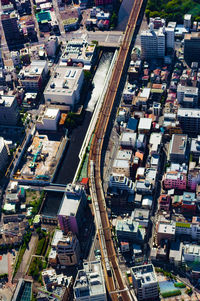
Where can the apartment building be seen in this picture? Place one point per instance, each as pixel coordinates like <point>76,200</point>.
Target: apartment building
<point>192,47</point>
<point>189,120</point>
<point>67,248</point>
<point>153,43</point>
<point>187,96</point>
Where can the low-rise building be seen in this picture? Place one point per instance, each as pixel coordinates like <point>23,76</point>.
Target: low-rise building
<point>165,231</point>
<point>51,46</point>
<point>175,180</point>
<point>32,77</point>
<point>129,230</point>
<point>155,143</point>
<point>90,283</point>
<point>178,149</point>
<point>141,216</point>
<point>48,119</point>
<point>195,147</point>
<point>128,140</point>
<point>145,282</point>
<point>175,253</point>
<point>145,125</point>
<point>79,51</point>
<point>188,204</point>
<point>191,253</point>
<point>64,86</point>
<point>164,202</point>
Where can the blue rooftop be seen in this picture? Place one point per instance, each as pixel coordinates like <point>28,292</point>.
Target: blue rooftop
<point>132,124</point>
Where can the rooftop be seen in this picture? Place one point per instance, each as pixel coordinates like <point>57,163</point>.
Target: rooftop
<point>178,144</point>
<point>90,281</point>
<point>64,80</point>
<point>71,200</point>
<point>144,274</point>
<point>145,124</point>
<point>185,112</point>
<point>166,228</point>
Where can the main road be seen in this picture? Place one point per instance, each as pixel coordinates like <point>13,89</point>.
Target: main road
<point>114,280</point>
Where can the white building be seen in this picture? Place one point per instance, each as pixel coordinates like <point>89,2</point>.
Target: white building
<point>155,143</point>
<point>128,139</point>
<point>121,168</point>
<point>191,253</point>
<point>79,51</point>
<point>48,119</point>
<point>51,46</point>
<point>121,183</point>
<point>153,43</point>
<point>3,153</point>
<point>170,36</point>
<point>145,282</point>
<point>90,284</point>
<point>187,20</point>
<point>64,86</point>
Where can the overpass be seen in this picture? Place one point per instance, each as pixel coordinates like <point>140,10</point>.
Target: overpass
<point>113,277</point>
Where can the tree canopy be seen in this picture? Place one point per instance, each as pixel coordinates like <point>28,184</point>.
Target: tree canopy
<point>173,10</point>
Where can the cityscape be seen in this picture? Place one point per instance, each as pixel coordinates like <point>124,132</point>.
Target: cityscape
<point>100,150</point>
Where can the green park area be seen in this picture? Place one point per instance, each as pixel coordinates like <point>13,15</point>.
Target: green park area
<point>173,10</point>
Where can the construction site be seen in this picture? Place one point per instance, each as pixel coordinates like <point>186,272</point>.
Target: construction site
<point>41,158</point>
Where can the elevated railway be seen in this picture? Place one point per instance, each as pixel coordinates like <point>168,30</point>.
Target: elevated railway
<point>114,280</point>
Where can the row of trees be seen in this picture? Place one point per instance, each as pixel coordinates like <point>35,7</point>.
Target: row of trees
<point>173,10</point>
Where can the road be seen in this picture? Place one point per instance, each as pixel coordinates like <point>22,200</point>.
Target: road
<point>114,281</point>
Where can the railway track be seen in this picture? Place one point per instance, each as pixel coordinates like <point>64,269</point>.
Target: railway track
<point>114,280</point>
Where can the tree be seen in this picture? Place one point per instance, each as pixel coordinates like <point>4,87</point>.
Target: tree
<point>113,20</point>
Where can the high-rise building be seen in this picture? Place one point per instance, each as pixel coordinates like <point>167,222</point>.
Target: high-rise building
<point>189,120</point>
<point>192,47</point>
<point>153,43</point>
<point>68,250</point>
<point>11,28</point>
<point>90,284</point>
<point>187,20</point>
<point>9,114</point>
<point>145,282</point>
<point>170,34</point>
<point>71,211</point>
<point>3,153</point>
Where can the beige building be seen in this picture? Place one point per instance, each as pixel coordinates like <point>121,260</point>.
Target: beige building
<point>67,248</point>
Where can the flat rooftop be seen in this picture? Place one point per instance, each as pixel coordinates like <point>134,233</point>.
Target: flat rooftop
<point>90,281</point>
<point>71,201</point>
<point>144,273</point>
<point>64,80</point>
<point>178,144</point>
<point>6,100</point>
